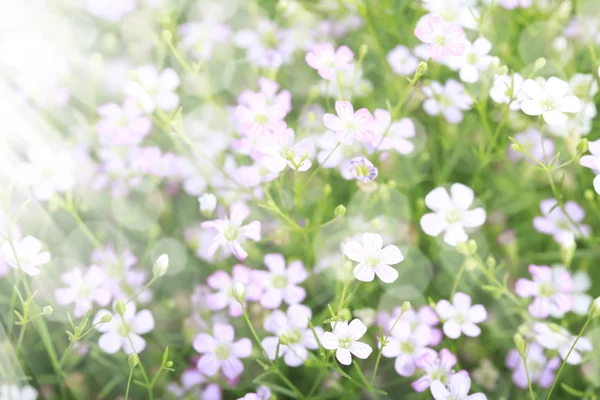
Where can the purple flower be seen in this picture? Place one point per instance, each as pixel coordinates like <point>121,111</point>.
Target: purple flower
<point>460,316</point>
<point>437,367</point>
<point>124,332</point>
<point>281,283</point>
<point>223,283</point>
<point>554,221</point>
<point>407,345</point>
<point>230,232</point>
<point>221,352</point>
<point>539,367</point>
<point>457,388</point>
<point>292,334</point>
<point>359,168</point>
<point>85,288</point>
<point>552,290</point>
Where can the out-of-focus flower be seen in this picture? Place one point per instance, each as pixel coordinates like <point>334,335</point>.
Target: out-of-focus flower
<point>554,221</point>
<point>208,203</point>
<point>200,38</point>
<point>457,388</point>
<point>223,284</point>
<point>451,213</point>
<point>443,38</point>
<point>349,125</point>
<point>486,375</point>
<point>151,89</point>
<point>281,283</point>
<point>230,232</point>
<point>27,255</point>
<point>359,168</point>
<point>460,316</point>
<point>550,101</point>
<point>8,392</point>
<point>280,151</point>
<point>268,45</point>
<point>122,125</point>
<point>512,4</point>
<point>122,279</point>
<point>450,100</point>
<point>507,88</point>
<point>262,393</point>
<point>402,61</point>
<point>328,61</point>
<point>48,172</point>
<point>531,140</point>
<point>392,135</point>
<point>373,259</point>
<point>540,368</point>
<point>257,117</point>
<point>124,331</point>
<point>592,161</point>
<point>220,351</point>
<point>423,316</point>
<point>475,60</point>
<point>111,10</point>
<point>292,335</point>
<point>85,287</point>
<point>407,345</point>
<point>554,337</point>
<point>552,290</point>
<point>344,340</point>
<point>437,367</point>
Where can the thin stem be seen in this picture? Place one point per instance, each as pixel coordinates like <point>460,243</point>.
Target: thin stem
<point>457,279</point>
<point>562,366</point>
<point>310,178</point>
<point>129,383</point>
<point>523,356</point>
<point>255,335</point>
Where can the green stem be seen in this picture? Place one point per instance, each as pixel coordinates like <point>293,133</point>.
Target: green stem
<point>562,366</point>
<point>129,383</point>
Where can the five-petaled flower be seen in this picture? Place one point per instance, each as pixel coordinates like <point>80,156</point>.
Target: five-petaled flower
<point>443,38</point>
<point>349,125</point>
<point>373,259</point>
<point>460,316</point>
<point>124,331</point>
<point>551,289</point>
<point>550,101</point>
<point>327,61</point>
<point>220,351</point>
<point>344,340</point>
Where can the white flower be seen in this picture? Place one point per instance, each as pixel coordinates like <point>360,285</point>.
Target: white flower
<point>14,392</point>
<point>208,203</point>
<point>402,61</point>
<point>460,316</point>
<point>457,388</point>
<point>47,172</point>
<point>450,100</point>
<point>475,60</point>
<point>451,213</point>
<point>85,287</point>
<point>554,337</point>
<point>550,101</point>
<point>123,332</point>
<point>344,340</point>
<point>28,255</point>
<point>152,89</point>
<point>507,89</point>
<point>372,259</point>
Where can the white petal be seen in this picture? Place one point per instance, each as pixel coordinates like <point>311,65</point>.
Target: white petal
<point>386,273</point>
<point>356,329</point>
<point>364,272</point>
<point>354,251</point>
<point>361,350</point>
<point>462,196</point>
<point>433,224</point>
<point>438,199</point>
<point>532,89</point>
<point>531,107</point>
<point>390,255</point>
<point>343,356</point>
<point>554,117</point>
<point>570,104</point>
<point>372,242</point>
<point>330,341</point>
<point>555,87</point>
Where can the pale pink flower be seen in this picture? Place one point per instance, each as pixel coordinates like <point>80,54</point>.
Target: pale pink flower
<point>257,117</point>
<point>231,234</point>
<point>457,388</point>
<point>460,316</point>
<point>279,99</point>
<point>402,61</point>
<point>221,352</point>
<point>407,344</point>
<point>451,213</point>
<point>48,172</point>
<point>29,255</point>
<point>124,332</point>
<point>373,259</point>
<point>122,278</point>
<point>512,4</point>
<point>292,334</point>
<point>423,316</point>
<point>122,125</point>
<point>349,125</point>
<point>437,367</point>
<point>552,291</point>
<point>281,283</point>
<point>85,287</point>
<point>443,38</point>
<point>540,368</point>
<point>224,283</point>
<point>554,221</point>
<point>344,340</point>
<point>327,61</point>
<point>531,140</point>
<point>262,393</point>
<point>450,100</point>
<point>152,89</point>
<point>556,338</point>
<point>280,151</point>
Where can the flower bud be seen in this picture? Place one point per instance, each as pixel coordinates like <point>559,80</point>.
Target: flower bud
<point>517,147</point>
<point>161,266</point>
<point>239,292</point>
<point>366,315</point>
<point>345,314</point>
<point>589,195</point>
<point>594,310</point>
<point>120,307</point>
<point>567,249</point>
<point>467,248</point>
<point>362,51</point>
<point>339,211</point>
<point>519,343</point>
<point>47,310</point>
<point>422,68</point>
<point>406,306</point>
<point>133,360</point>
<point>208,203</point>
<point>106,318</point>
<point>539,63</point>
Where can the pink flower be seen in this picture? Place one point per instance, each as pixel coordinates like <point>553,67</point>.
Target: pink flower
<point>221,352</point>
<point>457,388</point>
<point>554,221</point>
<point>349,125</point>
<point>28,255</point>
<point>437,367</point>
<point>424,316</point>
<point>230,232</point>
<point>292,334</point>
<point>280,150</point>
<point>443,38</point>
<point>539,367</point>
<point>281,283</point>
<point>122,278</point>
<point>122,125</point>
<point>270,89</point>
<point>224,283</point>
<point>460,316</point>
<point>124,332</point>
<point>327,61</point>
<point>85,288</point>
<point>258,117</point>
<point>552,290</point>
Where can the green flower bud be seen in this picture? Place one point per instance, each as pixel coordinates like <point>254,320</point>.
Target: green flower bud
<point>339,211</point>
<point>239,292</point>
<point>120,307</point>
<point>594,310</point>
<point>47,310</point>
<point>161,266</point>
<point>467,248</point>
<point>106,318</point>
<point>133,360</point>
<point>519,343</point>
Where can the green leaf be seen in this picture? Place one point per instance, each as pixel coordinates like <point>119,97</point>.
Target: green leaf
<point>165,356</point>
